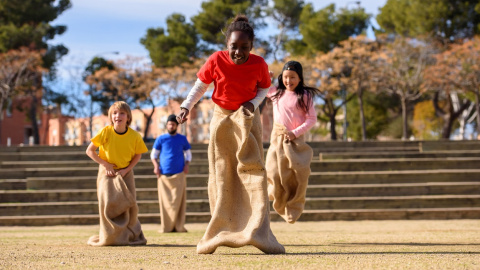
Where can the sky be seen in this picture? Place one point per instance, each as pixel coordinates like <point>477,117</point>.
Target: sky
<point>112,29</point>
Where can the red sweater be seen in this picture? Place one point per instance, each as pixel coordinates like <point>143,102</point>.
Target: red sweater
<point>234,84</point>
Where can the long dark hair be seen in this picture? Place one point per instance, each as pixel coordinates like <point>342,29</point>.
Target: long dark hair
<point>301,88</point>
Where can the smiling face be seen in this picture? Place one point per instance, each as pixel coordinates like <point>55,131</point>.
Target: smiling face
<point>239,47</point>
<point>119,120</point>
<point>290,79</point>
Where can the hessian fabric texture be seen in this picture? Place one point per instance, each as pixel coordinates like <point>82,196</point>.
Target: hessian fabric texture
<point>118,209</point>
<point>237,185</point>
<point>288,169</point>
<point>172,197</point>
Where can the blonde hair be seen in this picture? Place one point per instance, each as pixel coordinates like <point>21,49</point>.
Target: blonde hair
<point>122,106</point>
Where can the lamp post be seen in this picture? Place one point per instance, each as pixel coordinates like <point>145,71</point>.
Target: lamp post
<point>90,92</point>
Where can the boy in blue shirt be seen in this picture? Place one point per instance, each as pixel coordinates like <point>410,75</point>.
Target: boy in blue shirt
<point>170,157</point>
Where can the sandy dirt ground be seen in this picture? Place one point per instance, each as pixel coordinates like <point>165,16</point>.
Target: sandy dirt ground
<point>443,244</point>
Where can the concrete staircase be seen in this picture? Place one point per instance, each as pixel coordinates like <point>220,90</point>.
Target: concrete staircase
<point>350,181</point>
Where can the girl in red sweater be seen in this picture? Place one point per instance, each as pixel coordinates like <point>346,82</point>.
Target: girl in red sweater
<point>237,184</point>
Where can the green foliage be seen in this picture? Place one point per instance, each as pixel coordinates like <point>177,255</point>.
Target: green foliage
<point>211,22</point>
<point>179,46</point>
<point>376,116</point>
<point>445,19</point>
<point>286,14</point>
<point>322,30</point>
<point>107,94</point>
<point>26,24</point>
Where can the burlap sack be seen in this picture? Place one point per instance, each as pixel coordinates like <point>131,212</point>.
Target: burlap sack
<point>237,185</point>
<point>172,197</point>
<point>288,169</point>
<point>117,206</point>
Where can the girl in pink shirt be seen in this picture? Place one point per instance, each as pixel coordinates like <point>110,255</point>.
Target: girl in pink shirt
<point>288,157</point>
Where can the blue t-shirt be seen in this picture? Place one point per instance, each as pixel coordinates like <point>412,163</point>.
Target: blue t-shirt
<point>171,150</point>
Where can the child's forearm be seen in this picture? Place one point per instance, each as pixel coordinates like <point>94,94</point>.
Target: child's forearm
<point>93,155</point>
<point>261,94</point>
<point>194,95</point>
<point>134,162</point>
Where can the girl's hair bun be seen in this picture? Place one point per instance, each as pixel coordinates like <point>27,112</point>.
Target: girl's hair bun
<point>240,18</point>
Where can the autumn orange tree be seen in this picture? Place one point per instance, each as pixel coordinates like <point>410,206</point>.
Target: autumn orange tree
<point>464,58</point>
<point>358,56</point>
<point>177,81</point>
<point>329,75</point>
<point>444,79</point>
<point>20,75</point>
<point>399,71</point>
<point>131,81</point>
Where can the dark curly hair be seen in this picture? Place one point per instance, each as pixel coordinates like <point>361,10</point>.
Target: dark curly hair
<point>240,23</point>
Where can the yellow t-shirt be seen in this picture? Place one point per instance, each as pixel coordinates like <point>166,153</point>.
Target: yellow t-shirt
<point>119,149</point>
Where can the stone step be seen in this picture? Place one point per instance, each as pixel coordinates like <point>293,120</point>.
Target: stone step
<point>78,163</point>
<point>89,207</point>
<point>308,215</point>
<point>408,189</point>
<point>73,155</point>
<point>313,191</point>
<point>90,182</point>
<point>398,155</point>
<point>89,168</point>
<point>147,169</point>
<point>390,177</point>
<point>316,178</point>
<point>67,148</point>
<point>13,184</point>
<point>201,205</point>
<point>79,195</point>
<point>33,157</point>
<point>395,164</point>
<point>387,202</point>
<point>426,146</point>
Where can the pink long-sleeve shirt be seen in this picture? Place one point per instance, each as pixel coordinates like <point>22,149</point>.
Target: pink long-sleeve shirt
<point>286,112</point>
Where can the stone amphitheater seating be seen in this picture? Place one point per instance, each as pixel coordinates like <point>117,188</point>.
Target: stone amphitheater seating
<point>371,180</point>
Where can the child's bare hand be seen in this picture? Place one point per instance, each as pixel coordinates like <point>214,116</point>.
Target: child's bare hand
<point>249,106</point>
<point>109,169</point>
<point>122,172</point>
<point>182,116</point>
<point>290,136</point>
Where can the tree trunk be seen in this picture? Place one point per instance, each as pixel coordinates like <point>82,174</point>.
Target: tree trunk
<point>1,119</point>
<point>333,124</point>
<point>477,107</point>
<point>404,118</point>
<point>33,117</point>
<point>148,122</point>
<point>451,116</point>
<point>4,88</point>
<point>362,115</point>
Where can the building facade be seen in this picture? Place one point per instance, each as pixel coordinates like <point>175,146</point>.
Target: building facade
<point>67,130</point>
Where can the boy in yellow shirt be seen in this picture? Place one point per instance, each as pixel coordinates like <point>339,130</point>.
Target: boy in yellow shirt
<point>120,150</point>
